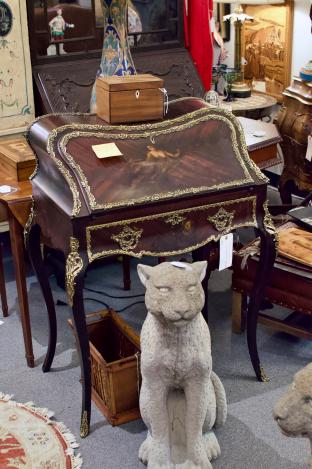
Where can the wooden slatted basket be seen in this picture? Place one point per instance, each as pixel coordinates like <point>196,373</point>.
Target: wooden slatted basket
<point>115,366</point>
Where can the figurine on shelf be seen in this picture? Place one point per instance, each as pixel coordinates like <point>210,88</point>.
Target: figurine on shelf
<point>57,27</point>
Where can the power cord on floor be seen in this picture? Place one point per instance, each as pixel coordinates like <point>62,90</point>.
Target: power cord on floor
<point>117,310</point>
<point>101,292</point>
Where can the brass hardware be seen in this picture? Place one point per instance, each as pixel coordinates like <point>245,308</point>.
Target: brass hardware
<point>264,378</point>
<point>175,219</point>
<point>162,217</point>
<point>128,238</point>
<point>74,265</point>
<point>29,221</point>
<point>84,426</point>
<point>269,225</point>
<point>222,220</point>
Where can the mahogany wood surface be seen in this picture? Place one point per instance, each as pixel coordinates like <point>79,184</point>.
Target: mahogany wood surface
<point>294,121</point>
<point>193,163</point>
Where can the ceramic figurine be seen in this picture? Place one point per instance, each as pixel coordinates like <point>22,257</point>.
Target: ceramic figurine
<point>57,27</point>
<point>293,412</point>
<point>116,57</point>
<point>181,398</point>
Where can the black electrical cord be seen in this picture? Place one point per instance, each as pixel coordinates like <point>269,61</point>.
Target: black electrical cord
<point>117,310</point>
<point>101,292</point>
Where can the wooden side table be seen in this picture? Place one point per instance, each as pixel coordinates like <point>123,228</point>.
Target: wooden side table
<point>258,106</point>
<point>18,205</point>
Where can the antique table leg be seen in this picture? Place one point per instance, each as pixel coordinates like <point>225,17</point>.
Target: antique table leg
<point>34,250</point>
<point>17,246</point>
<point>266,261</point>
<point>203,254</point>
<point>81,333</point>
<point>3,295</point>
<point>76,265</point>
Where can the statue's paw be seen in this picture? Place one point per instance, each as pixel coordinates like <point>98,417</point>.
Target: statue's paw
<point>192,465</point>
<point>144,449</point>
<point>198,457</point>
<point>212,446</point>
<point>158,455</point>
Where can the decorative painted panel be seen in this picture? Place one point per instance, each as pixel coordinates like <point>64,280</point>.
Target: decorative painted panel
<point>16,93</point>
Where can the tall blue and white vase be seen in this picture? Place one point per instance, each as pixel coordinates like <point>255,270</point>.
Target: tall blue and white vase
<point>116,57</point>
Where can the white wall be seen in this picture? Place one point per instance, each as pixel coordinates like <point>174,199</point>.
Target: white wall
<point>302,38</point>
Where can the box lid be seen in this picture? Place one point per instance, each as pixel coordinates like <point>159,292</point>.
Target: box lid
<point>130,82</point>
<point>17,153</point>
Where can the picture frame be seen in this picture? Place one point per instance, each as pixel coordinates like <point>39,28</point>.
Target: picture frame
<point>220,10</point>
<point>267,47</point>
<point>16,89</point>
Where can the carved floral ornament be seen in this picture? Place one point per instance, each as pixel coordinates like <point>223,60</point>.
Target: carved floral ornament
<point>74,265</point>
<point>222,219</point>
<point>128,238</point>
<point>175,219</point>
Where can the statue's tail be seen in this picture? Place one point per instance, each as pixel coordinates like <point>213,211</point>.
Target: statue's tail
<point>220,400</point>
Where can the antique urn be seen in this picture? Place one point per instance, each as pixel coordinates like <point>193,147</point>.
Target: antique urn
<point>116,57</point>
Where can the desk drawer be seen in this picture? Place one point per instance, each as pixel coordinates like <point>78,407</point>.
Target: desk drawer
<point>170,233</point>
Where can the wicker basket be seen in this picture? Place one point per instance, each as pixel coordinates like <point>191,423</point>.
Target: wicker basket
<point>115,366</point>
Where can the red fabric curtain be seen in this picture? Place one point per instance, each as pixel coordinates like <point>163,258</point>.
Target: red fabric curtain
<point>198,37</point>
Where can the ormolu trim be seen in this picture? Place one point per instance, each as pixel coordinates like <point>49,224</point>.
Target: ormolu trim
<point>192,119</point>
<point>164,217</point>
<point>74,265</point>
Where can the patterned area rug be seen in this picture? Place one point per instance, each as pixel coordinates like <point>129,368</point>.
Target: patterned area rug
<point>29,439</point>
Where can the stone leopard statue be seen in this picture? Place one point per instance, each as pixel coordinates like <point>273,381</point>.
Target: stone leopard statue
<point>181,398</point>
<point>293,412</point>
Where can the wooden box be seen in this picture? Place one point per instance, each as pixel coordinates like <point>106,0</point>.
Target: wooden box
<point>115,367</point>
<point>17,159</point>
<point>133,98</point>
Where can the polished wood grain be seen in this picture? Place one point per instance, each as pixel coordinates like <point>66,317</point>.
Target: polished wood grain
<point>17,206</point>
<point>294,121</point>
<point>17,159</point>
<point>152,192</point>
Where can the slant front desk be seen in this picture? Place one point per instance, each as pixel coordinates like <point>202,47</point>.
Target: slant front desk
<point>177,185</point>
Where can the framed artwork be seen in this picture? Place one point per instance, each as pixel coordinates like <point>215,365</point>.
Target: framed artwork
<point>16,92</point>
<point>267,45</point>
<point>224,27</point>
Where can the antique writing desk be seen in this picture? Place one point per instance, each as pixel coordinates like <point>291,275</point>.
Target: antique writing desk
<point>179,184</point>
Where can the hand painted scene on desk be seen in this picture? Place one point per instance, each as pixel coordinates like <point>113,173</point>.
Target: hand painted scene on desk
<point>173,162</point>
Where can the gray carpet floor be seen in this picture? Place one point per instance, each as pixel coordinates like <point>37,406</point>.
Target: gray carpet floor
<point>249,440</point>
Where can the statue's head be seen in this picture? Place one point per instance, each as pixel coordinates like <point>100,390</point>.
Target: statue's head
<point>293,412</point>
<point>174,293</point>
<point>59,11</point>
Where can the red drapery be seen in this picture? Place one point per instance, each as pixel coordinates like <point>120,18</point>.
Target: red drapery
<point>198,38</point>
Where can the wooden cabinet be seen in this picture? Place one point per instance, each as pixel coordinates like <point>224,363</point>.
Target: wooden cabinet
<point>295,125</point>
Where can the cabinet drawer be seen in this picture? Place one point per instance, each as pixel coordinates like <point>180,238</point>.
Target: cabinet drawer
<point>170,233</point>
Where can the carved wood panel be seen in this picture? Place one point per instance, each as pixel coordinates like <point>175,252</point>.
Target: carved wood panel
<point>66,87</point>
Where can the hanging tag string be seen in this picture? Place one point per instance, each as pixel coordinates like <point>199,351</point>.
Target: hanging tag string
<point>166,100</point>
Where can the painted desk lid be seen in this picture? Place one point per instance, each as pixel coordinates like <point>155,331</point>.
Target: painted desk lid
<point>194,153</point>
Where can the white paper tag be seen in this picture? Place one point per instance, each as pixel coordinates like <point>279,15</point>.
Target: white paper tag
<point>309,148</point>
<point>226,251</point>
<point>106,150</point>
<point>1,322</point>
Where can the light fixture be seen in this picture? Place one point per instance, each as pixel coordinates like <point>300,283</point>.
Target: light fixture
<point>238,17</point>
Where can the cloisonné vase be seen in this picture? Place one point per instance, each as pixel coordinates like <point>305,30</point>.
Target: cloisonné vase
<point>116,57</point>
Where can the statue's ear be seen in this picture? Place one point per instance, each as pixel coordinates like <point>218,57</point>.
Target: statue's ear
<point>144,272</point>
<point>200,268</point>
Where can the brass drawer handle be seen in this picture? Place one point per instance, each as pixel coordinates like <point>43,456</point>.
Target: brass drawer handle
<point>222,219</point>
<point>128,238</point>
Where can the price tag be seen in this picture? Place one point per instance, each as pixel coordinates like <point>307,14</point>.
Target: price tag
<point>106,150</point>
<point>309,149</point>
<point>226,251</point>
